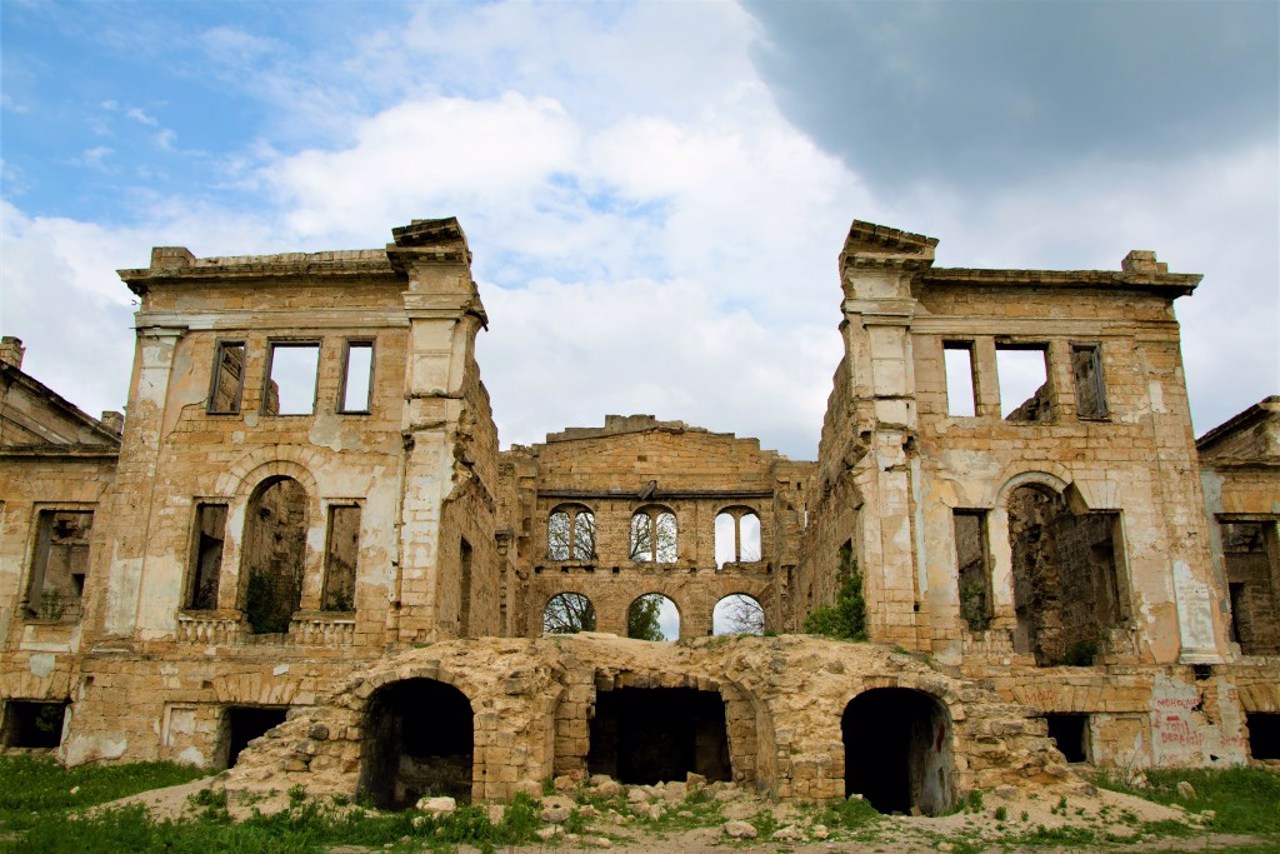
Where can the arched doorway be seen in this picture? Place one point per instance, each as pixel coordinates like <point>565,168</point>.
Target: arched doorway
<point>274,554</point>
<point>418,741</point>
<point>897,751</point>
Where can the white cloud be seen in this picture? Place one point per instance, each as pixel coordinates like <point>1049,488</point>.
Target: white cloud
<point>140,116</point>
<point>1214,214</point>
<point>650,234</point>
<point>94,156</point>
<point>473,153</point>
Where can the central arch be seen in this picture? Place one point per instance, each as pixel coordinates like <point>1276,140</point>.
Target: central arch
<point>897,748</point>
<point>418,741</point>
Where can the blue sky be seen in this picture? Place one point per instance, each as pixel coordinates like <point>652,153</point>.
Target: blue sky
<point>655,193</point>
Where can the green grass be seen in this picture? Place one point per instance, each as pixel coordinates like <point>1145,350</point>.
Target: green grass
<point>1246,800</point>
<point>36,786</point>
<point>38,812</point>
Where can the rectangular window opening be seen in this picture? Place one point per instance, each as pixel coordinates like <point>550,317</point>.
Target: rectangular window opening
<point>357,377</point>
<point>1250,553</point>
<point>961,398</point>
<point>341,557</point>
<point>291,379</point>
<point>206,558</point>
<point>464,569</point>
<point>242,724</point>
<point>974,572</point>
<point>1070,732</point>
<point>59,565</point>
<point>228,378</point>
<point>34,724</point>
<point>1024,382</point>
<point>1091,393</point>
<point>1264,734</point>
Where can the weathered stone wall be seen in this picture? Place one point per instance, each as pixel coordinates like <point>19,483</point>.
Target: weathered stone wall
<point>1130,578</point>
<point>637,463</point>
<point>53,459</point>
<point>533,700</point>
<point>1241,481</point>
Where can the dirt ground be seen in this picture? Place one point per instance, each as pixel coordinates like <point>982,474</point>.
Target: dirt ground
<point>993,827</point>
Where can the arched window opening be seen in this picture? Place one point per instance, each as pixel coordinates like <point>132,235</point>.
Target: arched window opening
<point>418,742</point>
<point>571,533</point>
<point>738,614</point>
<point>1066,583</point>
<point>897,751</point>
<point>653,617</point>
<point>642,736</point>
<point>653,535</point>
<point>568,614</point>
<point>275,547</point>
<point>737,536</point>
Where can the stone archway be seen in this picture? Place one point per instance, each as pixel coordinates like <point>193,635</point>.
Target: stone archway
<point>897,744</point>
<point>419,740</point>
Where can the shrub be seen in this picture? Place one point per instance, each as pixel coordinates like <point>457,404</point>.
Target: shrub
<point>846,618</point>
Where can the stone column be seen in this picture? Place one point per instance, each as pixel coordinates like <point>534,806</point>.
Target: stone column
<point>444,312</point>
<point>877,267</point>
<point>122,566</point>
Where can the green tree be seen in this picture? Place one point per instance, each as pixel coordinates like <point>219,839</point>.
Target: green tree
<point>846,618</point>
<point>568,614</point>
<point>642,618</point>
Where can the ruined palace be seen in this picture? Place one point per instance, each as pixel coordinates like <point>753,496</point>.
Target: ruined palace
<point>304,555</point>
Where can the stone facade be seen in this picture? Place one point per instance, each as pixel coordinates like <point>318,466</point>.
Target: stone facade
<point>307,531</point>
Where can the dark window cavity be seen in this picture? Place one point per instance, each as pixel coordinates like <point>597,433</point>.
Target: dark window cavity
<point>1264,734</point>
<point>275,545</point>
<point>1070,733</point>
<point>206,556</point>
<point>228,378</point>
<point>245,723</point>
<point>464,579</point>
<point>59,564</point>
<point>1250,553</point>
<point>974,568</point>
<point>34,724</point>
<point>641,736</point>
<point>341,555</point>
<point>1091,393</point>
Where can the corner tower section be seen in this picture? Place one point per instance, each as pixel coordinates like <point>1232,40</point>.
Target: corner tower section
<point>1009,456</point>
<point>447,585</point>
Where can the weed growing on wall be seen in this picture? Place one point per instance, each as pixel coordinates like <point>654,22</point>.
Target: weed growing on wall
<point>846,618</point>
